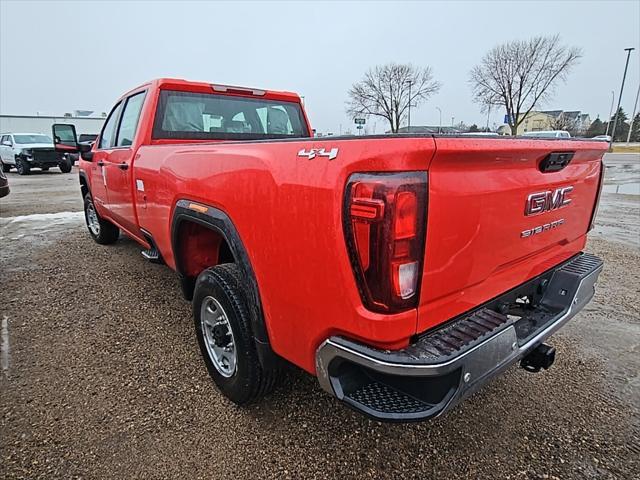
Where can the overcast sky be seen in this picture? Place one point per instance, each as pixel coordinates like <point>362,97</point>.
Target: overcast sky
<point>59,56</point>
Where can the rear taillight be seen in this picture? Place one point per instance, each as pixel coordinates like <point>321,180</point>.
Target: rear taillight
<point>594,212</point>
<point>385,224</point>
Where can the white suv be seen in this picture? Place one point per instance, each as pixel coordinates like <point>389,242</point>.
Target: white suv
<point>25,151</point>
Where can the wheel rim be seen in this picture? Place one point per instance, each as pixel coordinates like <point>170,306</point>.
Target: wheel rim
<point>92,219</point>
<point>19,166</point>
<point>218,337</point>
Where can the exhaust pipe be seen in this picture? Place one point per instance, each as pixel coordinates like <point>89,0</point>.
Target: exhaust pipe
<point>542,356</point>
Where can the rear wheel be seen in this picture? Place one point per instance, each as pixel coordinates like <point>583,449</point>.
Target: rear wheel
<point>22,166</point>
<point>222,315</point>
<point>65,166</point>
<point>103,231</point>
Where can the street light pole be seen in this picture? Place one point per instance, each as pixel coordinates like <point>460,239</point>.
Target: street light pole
<point>488,114</point>
<point>635,107</point>
<point>610,112</point>
<point>440,122</point>
<point>624,76</point>
<point>409,82</point>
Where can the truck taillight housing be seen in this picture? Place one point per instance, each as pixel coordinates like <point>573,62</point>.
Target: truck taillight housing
<point>596,204</point>
<point>385,227</point>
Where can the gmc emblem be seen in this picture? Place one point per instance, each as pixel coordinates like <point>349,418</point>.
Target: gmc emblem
<point>546,201</point>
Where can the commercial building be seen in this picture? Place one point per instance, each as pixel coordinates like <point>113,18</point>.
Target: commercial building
<point>574,121</point>
<point>42,124</point>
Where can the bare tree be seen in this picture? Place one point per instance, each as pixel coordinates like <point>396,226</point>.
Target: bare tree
<point>521,74</point>
<point>387,91</point>
<point>562,122</point>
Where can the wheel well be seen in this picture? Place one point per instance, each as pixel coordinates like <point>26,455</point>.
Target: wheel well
<point>200,247</point>
<point>84,188</point>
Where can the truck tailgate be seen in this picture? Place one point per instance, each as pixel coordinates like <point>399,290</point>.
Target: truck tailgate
<point>480,240</point>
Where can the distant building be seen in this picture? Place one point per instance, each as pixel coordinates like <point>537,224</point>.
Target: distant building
<point>575,121</point>
<point>42,124</point>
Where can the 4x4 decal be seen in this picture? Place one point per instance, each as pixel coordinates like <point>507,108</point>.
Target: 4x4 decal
<point>320,152</point>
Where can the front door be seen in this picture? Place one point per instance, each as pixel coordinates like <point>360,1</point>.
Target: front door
<point>6,150</point>
<point>99,173</point>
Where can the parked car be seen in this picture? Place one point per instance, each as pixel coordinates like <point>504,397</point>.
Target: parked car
<point>602,138</point>
<point>404,271</point>
<point>25,151</point>
<point>548,134</point>
<point>4,184</point>
<point>480,134</point>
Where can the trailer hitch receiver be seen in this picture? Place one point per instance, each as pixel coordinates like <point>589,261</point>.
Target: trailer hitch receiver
<point>540,357</point>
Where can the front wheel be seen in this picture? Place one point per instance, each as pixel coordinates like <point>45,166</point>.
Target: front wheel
<point>222,315</point>
<point>65,166</point>
<point>22,166</point>
<point>103,231</point>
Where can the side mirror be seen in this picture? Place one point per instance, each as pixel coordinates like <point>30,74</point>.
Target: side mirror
<point>85,151</point>
<point>65,138</point>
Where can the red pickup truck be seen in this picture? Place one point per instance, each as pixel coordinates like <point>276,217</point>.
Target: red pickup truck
<point>404,271</point>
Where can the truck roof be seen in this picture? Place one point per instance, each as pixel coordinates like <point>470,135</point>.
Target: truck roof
<point>208,87</point>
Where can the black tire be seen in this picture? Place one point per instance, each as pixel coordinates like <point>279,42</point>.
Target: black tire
<point>250,381</point>
<point>65,166</point>
<point>22,166</point>
<point>5,167</point>
<point>106,232</point>
<point>44,169</point>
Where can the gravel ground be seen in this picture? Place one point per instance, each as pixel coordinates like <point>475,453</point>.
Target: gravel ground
<point>103,379</point>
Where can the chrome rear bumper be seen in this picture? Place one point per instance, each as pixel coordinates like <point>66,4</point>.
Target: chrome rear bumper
<point>446,365</point>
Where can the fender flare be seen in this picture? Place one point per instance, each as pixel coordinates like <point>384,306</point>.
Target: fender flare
<point>83,176</point>
<point>217,220</point>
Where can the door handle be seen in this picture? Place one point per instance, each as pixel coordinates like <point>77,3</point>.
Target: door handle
<point>100,163</point>
<point>123,166</point>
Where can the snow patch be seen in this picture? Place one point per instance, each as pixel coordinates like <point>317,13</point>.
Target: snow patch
<point>59,217</point>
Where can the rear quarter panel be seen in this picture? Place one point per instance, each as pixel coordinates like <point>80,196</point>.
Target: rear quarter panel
<point>288,212</point>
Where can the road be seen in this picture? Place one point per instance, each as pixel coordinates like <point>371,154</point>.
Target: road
<point>102,378</point>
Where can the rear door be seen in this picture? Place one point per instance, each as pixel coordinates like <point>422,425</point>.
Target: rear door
<point>118,161</point>
<point>498,217</point>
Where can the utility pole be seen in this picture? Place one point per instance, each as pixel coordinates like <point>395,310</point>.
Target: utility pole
<point>610,112</point>
<point>624,77</point>
<point>440,122</point>
<point>635,107</point>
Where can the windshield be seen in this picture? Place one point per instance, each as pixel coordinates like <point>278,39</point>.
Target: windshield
<point>24,139</point>
<point>206,116</point>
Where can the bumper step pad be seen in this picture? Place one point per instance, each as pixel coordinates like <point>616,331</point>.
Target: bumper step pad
<point>460,334</point>
<point>383,398</point>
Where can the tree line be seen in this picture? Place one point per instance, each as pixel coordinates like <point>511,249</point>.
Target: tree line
<point>516,76</point>
<point>598,127</point>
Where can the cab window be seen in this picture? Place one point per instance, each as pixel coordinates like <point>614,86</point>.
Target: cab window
<point>209,116</point>
<point>130,117</point>
<point>107,137</point>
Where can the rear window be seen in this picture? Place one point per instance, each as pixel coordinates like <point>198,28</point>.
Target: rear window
<point>189,115</point>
